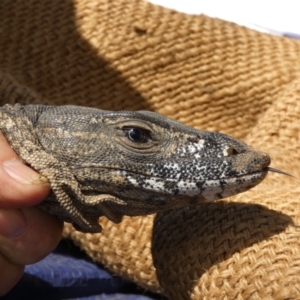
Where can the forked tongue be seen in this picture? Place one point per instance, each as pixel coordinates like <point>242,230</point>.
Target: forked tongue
<point>279,172</point>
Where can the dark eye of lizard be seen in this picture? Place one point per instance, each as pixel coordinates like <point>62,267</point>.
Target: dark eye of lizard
<point>137,135</point>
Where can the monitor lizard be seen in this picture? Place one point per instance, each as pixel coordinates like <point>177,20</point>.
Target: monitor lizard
<point>115,163</point>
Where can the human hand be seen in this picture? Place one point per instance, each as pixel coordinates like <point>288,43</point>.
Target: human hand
<point>27,234</point>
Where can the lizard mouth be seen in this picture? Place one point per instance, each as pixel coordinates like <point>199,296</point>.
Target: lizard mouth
<point>238,184</point>
<point>230,186</point>
<point>264,172</point>
<point>257,173</point>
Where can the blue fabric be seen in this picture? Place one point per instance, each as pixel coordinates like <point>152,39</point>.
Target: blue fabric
<point>68,273</point>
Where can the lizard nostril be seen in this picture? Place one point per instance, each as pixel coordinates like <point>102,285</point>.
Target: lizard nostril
<point>231,151</point>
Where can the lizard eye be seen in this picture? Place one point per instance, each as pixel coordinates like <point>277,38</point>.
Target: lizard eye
<point>137,135</point>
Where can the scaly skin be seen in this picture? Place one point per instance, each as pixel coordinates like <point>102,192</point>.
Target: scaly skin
<point>103,163</point>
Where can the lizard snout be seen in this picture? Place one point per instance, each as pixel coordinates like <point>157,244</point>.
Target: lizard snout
<point>250,162</point>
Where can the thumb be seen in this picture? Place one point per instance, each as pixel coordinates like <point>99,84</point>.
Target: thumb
<point>20,185</point>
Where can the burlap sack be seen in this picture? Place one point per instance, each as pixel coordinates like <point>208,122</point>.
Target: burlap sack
<point>207,73</point>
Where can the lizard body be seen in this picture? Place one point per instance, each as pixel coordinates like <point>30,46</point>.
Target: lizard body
<point>104,163</point>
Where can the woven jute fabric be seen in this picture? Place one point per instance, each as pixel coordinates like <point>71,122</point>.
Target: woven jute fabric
<point>204,72</point>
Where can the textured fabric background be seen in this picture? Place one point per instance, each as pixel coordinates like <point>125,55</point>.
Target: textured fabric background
<point>207,73</point>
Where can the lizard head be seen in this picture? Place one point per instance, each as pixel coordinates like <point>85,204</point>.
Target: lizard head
<point>149,161</point>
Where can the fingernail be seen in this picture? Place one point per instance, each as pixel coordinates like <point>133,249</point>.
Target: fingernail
<point>23,174</point>
<point>12,223</point>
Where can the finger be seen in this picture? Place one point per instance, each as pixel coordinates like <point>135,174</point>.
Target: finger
<point>41,236</point>
<point>13,223</point>
<point>19,185</point>
<point>11,274</point>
